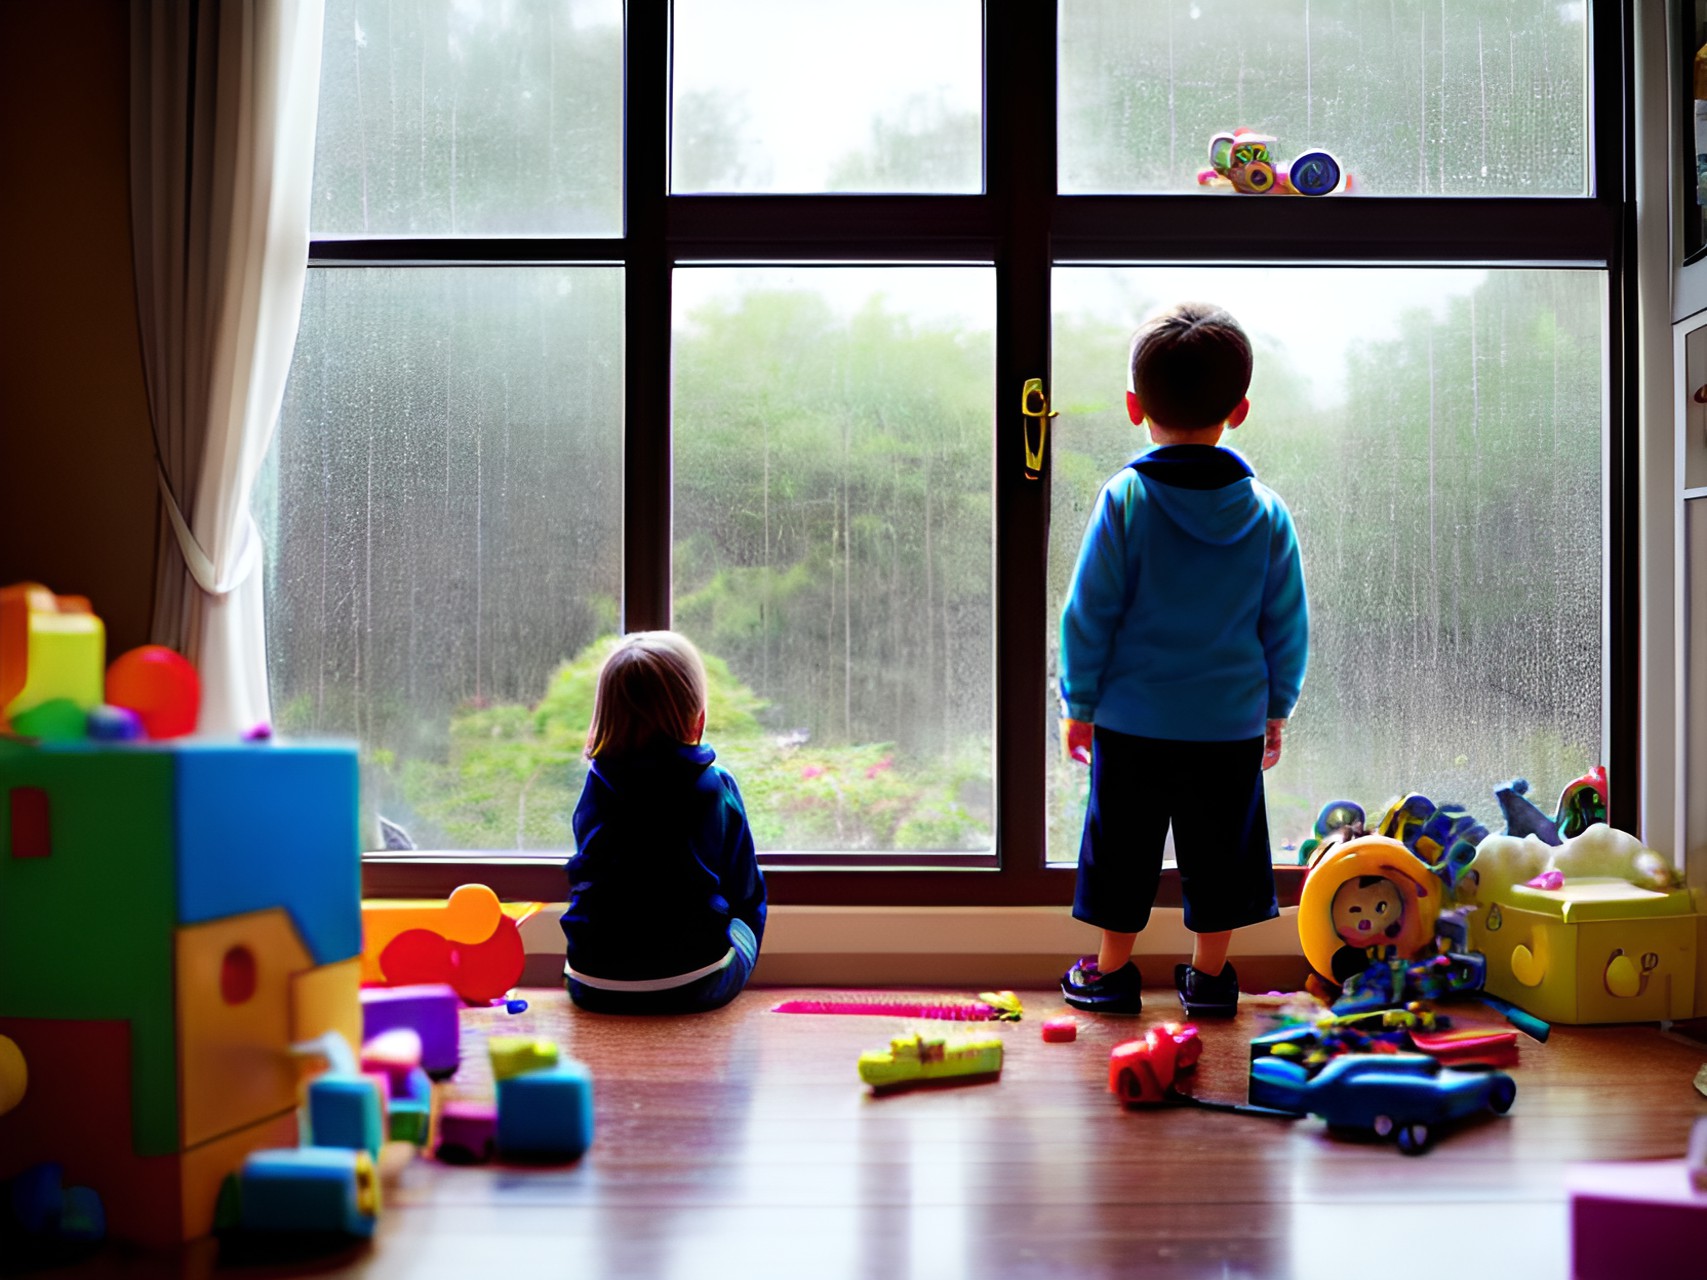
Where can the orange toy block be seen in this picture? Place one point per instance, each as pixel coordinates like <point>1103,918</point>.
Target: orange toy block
<point>234,988</point>
<point>50,647</point>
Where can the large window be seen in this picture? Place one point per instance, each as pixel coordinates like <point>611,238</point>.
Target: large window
<point>664,315</point>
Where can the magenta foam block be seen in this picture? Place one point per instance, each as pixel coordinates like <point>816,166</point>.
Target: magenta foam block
<point>467,1132</point>
<point>1641,1218</point>
<point>431,1012</point>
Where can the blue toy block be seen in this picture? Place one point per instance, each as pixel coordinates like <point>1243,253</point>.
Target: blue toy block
<point>38,1197</point>
<point>344,1111</point>
<point>272,826</point>
<point>546,1114</point>
<point>309,1189</point>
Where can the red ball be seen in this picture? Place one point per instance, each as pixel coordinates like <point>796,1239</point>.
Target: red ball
<point>483,971</point>
<point>160,686</point>
<point>417,956</point>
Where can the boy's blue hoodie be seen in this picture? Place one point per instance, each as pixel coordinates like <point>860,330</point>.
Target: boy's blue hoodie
<point>1186,616</point>
<point>664,858</point>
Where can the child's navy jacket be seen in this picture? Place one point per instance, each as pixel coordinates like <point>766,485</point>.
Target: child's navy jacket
<point>1186,618</point>
<point>664,859</point>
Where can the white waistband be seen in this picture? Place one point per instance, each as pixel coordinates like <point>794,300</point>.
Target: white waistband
<point>650,984</point>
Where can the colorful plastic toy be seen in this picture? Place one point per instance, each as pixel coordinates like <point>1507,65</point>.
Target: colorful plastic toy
<point>1060,1030</point>
<point>1338,921</point>
<point>308,1189</point>
<point>51,648</point>
<point>470,942</point>
<point>920,1059</point>
<point>546,1115</point>
<point>50,1213</point>
<point>1243,160</point>
<point>1582,803</point>
<point>1144,1072</point>
<point>227,877</point>
<point>1642,1218</point>
<point>1408,1096</point>
<point>988,1006</point>
<point>1387,983</point>
<point>431,1012</point>
<point>160,686</point>
<point>518,1055</point>
<point>468,1132</point>
<point>346,1111</point>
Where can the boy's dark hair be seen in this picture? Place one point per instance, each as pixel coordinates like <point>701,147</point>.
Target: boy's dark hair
<point>1191,365</point>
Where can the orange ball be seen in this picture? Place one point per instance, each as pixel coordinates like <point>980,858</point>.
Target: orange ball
<point>159,685</point>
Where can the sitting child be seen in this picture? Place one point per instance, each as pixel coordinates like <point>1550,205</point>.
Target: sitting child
<point>666,902</point>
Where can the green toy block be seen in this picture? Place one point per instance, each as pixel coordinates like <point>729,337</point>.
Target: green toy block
<point>517,1055</point>
<point>86,932</point>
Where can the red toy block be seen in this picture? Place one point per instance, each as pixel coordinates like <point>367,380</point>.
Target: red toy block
<point>1060,1030</point>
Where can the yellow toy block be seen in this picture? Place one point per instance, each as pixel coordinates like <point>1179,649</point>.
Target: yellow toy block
<point>51,647</point>
<point>1597,949</point>
<point>518,1055</point>
<point>234,987</point>
<point>327,999</point>
<point>203,1169</point>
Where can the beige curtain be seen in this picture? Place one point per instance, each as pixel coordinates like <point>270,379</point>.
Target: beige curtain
<point>223,101</point>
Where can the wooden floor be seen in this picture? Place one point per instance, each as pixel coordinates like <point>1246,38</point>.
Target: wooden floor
<point>740,1144</point>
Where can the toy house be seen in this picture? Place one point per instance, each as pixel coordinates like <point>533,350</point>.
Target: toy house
<point>172,918</point>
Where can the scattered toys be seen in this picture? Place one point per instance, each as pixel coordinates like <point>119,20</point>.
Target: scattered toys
<point>921,1059</point>
<point>1144,1072</point>
<point>468,1132</point>
<point>308,1190</point>
<point>1366,900</point>
<point>52,648</point>
<point>517,1055</point>
<point>1407,1096</point>
<point>1581,804</point>
<point>469,942</point>
<point>546,1114</point>
<point>160,687</point>
<point>1243,160</point>
<point>430,1011</point>
<point>1060,1030</point>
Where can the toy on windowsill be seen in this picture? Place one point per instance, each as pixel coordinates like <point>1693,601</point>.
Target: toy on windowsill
<point>924,1059</point>
<point>1581,804</point>
<point>1244,161</point>
<point>1404,1095</point>
<point>469,942</point>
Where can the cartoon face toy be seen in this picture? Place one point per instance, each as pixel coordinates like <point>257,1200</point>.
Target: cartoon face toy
<point>1368,911</point>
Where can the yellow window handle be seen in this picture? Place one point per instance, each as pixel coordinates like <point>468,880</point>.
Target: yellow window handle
<point>1034,403</point>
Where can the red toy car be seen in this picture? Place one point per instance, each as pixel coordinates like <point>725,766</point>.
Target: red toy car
<point>1142,1072</point>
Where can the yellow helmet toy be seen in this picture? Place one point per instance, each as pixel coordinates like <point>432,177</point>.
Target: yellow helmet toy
<point>1367,892</point>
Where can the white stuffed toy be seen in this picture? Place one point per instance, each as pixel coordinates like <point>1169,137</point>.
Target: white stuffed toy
<point>1504,861</point>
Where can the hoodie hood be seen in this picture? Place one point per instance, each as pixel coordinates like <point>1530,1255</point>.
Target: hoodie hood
<point>1204,489</point>
<point>661,768</point>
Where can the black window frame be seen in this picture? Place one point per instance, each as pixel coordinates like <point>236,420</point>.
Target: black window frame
<point>1024,228</point>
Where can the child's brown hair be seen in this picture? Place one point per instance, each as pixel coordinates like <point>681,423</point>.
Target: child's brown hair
<point>652,686</point>
<point>1190,366</point>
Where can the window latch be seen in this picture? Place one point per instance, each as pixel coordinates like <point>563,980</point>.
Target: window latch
<point>1034,403</point>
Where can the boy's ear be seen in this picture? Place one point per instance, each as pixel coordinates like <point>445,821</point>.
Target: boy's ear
<point>1134,410</point>
<point>1239,411</point>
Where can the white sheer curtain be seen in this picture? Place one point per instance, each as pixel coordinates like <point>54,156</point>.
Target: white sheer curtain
<point>223,101</point>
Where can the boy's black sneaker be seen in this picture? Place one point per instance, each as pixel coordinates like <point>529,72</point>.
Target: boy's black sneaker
<point>1207,997</point>
<point>1086,987</point>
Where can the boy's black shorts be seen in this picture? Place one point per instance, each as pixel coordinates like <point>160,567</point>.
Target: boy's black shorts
<point>1212,793</point>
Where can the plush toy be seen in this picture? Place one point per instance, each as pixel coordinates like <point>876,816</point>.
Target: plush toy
<point>1503,861</point>
<point>1365,901</point>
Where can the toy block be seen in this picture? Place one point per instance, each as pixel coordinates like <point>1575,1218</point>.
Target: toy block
<point>346,1111</point>
<point>327,998</point>
<point>396,1053</point>
<point>517,1055</point>
<point>1641,1218</point>
<point>50,647</point>
<point>38,1194</point>
<point>432,1012</point>
<point>14,1074</point>
<point>204,1169</point>
<point>410,1121</point>
<point>234,1021</point>
<point>110,830</point>
<point>470,914</point>
<point>56,720</point>
<point>468,1132</point>
<point>309,1189</point>
<point>77,1113</point>
<point>274,826</point>
<point>82,1217</point>
<point>546,1114</point>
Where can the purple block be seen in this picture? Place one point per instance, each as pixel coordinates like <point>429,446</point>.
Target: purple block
<point>1637,1219</point>
<point>467,1132</point>
<point>429,1011</point>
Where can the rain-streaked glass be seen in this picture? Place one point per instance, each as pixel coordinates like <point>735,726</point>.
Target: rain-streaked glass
<point>443,519</point>
<point>1437,435</point>
<point>833,546</point>
<point>1459,97</point>
<point>816,95</point>
<point>448,118</point>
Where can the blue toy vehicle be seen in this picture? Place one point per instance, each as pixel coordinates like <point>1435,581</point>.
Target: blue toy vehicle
<point>1405,1095</point>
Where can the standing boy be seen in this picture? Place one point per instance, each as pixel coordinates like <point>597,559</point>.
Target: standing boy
<point>1183,645</point>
